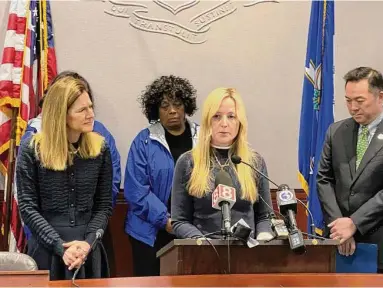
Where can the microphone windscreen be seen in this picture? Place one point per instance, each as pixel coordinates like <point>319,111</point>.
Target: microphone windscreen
<point>235,159</point>
<point>223,178</point>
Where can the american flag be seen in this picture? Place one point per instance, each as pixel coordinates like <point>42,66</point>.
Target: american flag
<point>28,64</point>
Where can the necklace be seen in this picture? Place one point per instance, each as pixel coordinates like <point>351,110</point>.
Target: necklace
<point>227,163</point>
<point>73,151</point>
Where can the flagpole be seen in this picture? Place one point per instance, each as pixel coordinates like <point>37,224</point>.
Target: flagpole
<point>10,177</point>
<point>44,20</point>
<point>42,59</point>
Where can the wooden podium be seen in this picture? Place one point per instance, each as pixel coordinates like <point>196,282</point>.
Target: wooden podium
<point>38,278</point>
<point>196,257</point>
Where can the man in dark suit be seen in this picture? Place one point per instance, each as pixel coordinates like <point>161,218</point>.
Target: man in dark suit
<point>350,173</point>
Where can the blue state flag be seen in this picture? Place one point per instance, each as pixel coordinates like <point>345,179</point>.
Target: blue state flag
<point>317,111</point>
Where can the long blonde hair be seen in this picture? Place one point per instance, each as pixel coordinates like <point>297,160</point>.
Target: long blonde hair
<point>198,184</point>
<point>51,144</point>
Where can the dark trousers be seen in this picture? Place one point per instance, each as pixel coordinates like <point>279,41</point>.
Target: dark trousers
<point>145,262</point>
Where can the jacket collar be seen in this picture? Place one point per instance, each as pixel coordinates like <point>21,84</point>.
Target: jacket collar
<point>157,132</point>
<point>36,122</point>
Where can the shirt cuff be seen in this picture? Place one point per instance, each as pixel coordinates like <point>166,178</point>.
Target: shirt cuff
<point>59,248</point>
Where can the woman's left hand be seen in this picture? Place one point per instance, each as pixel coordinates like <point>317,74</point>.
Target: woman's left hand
<point>82,247</point>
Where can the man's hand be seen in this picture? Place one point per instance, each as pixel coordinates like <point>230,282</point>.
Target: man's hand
<point>348,247</point>
<point>168,226</point>
<point>342,229</point>
<point>75,253</point>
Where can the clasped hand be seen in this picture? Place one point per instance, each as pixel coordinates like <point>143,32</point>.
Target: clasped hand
<point>75,253</point>
<point>343,229</point>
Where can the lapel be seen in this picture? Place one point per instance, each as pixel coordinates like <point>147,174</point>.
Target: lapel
<point>375,145</point>
<point>350,137</point>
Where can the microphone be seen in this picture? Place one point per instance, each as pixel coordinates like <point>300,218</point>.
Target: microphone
<point>99,234</point>
<point>287,205</point>
<point>278,225</point>
<point>237,160</point>
<point>223,198</point>
<point>242,231</point>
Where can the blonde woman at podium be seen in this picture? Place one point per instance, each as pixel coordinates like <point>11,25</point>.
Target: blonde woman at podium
<point>198,172</point>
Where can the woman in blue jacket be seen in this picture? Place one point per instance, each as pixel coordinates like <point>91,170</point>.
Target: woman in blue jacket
<point>149,170</point>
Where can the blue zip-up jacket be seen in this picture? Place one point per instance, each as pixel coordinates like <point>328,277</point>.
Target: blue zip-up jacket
<point>148,182</point>
<point>34,126</point>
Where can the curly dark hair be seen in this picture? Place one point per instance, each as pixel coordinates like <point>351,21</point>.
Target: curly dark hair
<point>72,74</point>
<point>170,86</point>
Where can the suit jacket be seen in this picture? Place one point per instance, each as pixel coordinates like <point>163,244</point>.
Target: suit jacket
<point>347,192</point>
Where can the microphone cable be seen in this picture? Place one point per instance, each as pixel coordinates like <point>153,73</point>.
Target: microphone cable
<point>215,249</point>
